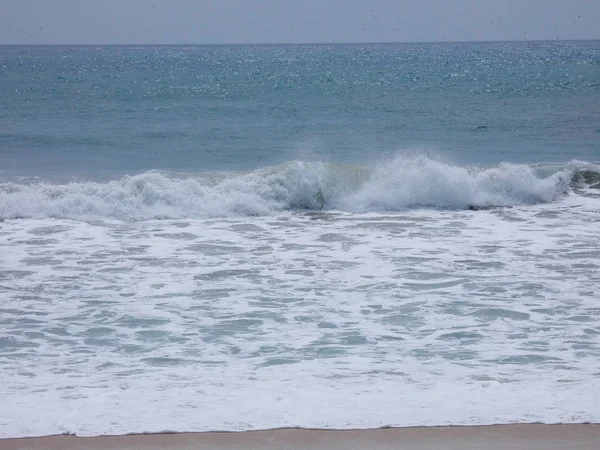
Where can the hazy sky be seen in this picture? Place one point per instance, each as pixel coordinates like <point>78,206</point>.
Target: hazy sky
<point>286,21</point>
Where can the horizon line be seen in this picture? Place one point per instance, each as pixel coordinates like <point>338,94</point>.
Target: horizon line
<point>300,43</point>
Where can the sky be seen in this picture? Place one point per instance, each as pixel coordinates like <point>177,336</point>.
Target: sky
<point>293,21</point>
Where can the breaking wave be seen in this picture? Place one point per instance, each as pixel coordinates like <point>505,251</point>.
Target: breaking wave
<point>401,183</point>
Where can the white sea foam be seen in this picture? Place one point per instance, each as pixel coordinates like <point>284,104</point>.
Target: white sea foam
<point>345,320</point>
<point>421,181</point>
<point>398,184</point>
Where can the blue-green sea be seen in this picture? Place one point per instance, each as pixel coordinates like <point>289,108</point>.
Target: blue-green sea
<point>230,237</point>
<point>77,111</point>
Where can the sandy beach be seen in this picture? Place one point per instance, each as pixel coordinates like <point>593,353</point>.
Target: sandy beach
<point>498,437</point>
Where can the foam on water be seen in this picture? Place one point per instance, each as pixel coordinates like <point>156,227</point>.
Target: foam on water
<point>401,183</point>
<point>313,319</point>
<point>301,293</point>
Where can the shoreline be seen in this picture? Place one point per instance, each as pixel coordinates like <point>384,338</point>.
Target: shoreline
<point>492,437</point>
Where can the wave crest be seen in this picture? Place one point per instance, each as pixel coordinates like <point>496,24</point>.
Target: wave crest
<point>404,182</point>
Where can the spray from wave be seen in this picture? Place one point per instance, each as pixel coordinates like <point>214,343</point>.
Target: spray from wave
<point>404,182</point>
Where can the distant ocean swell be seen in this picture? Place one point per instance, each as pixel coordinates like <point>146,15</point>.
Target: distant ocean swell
<point>399,184</point>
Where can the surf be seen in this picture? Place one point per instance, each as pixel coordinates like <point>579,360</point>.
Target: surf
<point>400,183</point>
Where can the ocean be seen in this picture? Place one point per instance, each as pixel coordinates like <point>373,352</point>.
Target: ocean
<point>201,238</point>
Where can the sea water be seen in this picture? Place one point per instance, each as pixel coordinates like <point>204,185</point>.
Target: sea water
<point>206,238</point>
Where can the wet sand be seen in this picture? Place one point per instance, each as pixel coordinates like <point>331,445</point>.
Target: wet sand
<point>497,437</point>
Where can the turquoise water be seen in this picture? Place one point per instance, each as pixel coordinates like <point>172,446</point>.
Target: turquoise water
<point>90,112</point>
<point>346,236</point>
